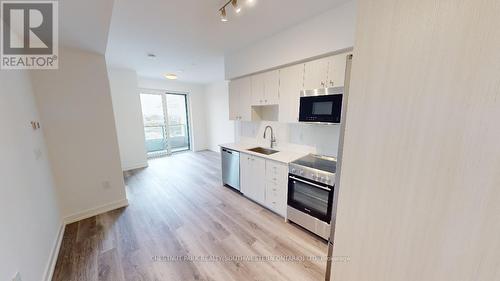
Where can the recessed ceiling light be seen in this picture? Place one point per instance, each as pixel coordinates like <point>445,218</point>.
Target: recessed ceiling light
<point>151,56</point>
<point>170,76</point>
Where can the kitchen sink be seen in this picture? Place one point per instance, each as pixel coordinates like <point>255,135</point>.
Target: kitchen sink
<point>263,150</point>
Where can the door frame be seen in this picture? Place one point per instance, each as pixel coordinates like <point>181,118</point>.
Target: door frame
<point>163,93</point>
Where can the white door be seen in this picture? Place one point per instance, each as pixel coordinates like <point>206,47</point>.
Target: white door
<point>245,97</point>
<point>246,174</point>
<point>336,70</point>
<point>257,89</point>
<point>291,83</point>
<point>234,101</point>
<point>258,193</point>
<point>316,74</point>
<point>271,87</point>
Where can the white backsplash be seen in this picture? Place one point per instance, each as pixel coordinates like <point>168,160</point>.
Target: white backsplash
<point>308,138</point>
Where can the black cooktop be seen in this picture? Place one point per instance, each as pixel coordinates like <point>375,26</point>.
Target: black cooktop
<point>327,164</point>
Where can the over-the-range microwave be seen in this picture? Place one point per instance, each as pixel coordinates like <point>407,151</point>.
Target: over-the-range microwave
<point>321,105</point>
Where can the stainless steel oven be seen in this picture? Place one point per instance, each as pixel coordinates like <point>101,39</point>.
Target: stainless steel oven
<point>321,105</point>
<point>310,193</point>
<point>312,198</point>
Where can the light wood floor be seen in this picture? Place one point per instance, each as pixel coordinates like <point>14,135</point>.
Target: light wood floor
<point>178,207</point>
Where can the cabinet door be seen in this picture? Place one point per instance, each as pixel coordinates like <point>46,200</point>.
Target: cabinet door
<point>258,193</point>
<point>291,83</point>
<point>316,74</point>
<point>234,105</point>
<point>336,71</point>
<point>258,82</point>
<point>271,87</point>
<point>245,97</point>
<point>246,174</point>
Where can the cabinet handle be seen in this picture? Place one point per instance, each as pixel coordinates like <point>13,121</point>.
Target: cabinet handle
<point>322,84</point>
<point>331,83</point>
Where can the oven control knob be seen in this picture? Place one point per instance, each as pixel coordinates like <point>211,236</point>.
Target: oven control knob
<point>321,179</point>
<point>301,172</point>
<point>293,170</point>
<point>314,177</point>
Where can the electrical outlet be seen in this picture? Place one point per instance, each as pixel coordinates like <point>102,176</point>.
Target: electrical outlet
<point>17,277</point>
<point>106,185</point>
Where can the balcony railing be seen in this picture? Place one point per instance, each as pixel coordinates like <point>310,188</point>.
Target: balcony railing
<point>157,140</point>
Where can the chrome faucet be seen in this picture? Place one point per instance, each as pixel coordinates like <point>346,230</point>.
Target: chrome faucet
<point>273,139</point>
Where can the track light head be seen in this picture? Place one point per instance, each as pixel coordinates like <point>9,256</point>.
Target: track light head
<point>237,8</point>
<point>223,15</point>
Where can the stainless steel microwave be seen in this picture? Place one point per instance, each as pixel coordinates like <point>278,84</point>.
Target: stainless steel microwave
<point>321,105</point>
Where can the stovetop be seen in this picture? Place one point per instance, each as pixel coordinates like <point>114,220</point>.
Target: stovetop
<point>318,162</point>
<point>319,169</point>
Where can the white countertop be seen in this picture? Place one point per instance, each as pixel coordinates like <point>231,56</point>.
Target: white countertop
<point>281,156</point>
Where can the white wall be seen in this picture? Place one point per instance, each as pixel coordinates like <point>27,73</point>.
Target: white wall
<point>29,212</point>
<point>197,106</point>
<point>308,138</point>
<point>77,117</point>
<point>128,118</point>
<point>219,128</point>
<point>329,32</point>
<point>420,183</point>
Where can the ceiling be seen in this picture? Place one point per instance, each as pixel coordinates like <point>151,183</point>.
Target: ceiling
<point>85,24</point>
<point>188,37</point>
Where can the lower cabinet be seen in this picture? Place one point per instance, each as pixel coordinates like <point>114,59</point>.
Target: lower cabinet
<point>265,182</point>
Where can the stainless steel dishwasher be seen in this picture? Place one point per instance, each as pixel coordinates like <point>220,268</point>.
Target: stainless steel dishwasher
<point>230,168</point>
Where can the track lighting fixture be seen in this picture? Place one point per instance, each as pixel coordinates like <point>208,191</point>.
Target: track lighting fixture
<point>236,7</point>
<point>223,15</point>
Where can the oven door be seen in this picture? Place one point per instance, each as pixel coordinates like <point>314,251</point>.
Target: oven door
<point>312,198</point>
<point>324,109</point>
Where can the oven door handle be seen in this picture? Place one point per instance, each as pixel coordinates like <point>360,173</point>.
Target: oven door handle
<point>310,183</point>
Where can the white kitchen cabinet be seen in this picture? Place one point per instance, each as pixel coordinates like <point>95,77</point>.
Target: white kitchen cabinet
<point>316,74</point>
<point>336,70</point>
<point>234,100</point>
<point>276,187</point>
<point>252,177</point>
<point>258,89</point>
<point>240,99</point>
<point>271,87</point>
<point>291,83</point>
<point>265,182</point>
<point>265,88</point>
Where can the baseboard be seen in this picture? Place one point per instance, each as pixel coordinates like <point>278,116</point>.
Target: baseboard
<point>51,265</point>
<point>136,166</point>
<point>95,211</point>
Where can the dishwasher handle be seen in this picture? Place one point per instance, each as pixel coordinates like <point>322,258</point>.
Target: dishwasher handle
<point>227,151</point>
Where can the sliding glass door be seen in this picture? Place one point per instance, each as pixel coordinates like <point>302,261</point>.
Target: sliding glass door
<point>166,123</point>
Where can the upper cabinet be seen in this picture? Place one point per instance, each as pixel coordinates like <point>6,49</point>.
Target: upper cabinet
<point>265,88</point>
<point>316,74</point>
<point>336,70</point>
<point>275,95</point>
<point>240,99</point>
<point>291,83</point>
<point>325,72</point>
